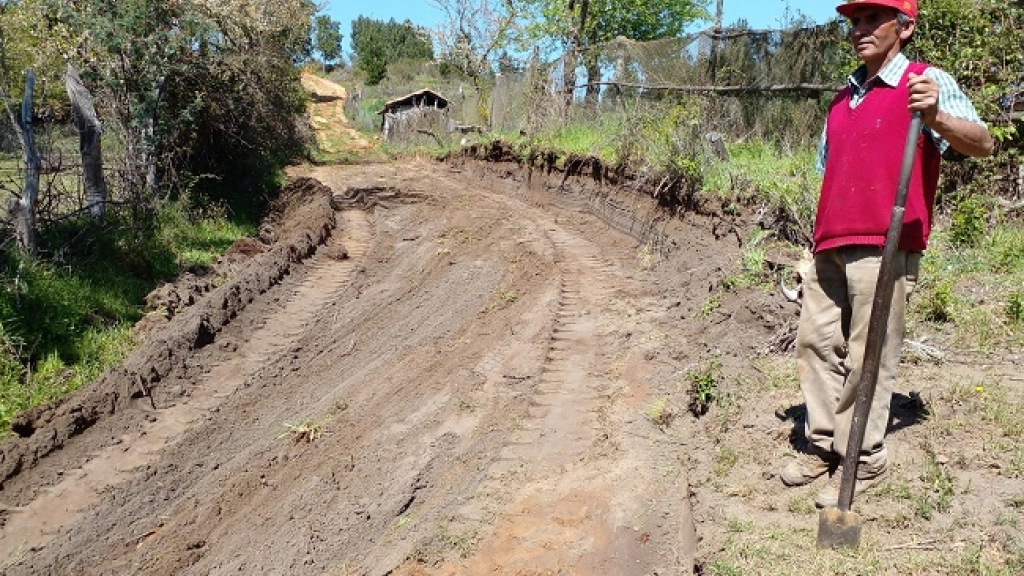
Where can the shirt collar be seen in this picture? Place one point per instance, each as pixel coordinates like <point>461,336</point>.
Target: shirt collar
<point>891,73</point>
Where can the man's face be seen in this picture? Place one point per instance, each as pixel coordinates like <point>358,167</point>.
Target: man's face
<point>875,34</point>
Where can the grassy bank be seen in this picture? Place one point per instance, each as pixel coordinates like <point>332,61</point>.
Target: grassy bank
<point>66,317</point>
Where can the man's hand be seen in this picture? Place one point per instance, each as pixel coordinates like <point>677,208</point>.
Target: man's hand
<point>924,97</point>
<point>965,137</point>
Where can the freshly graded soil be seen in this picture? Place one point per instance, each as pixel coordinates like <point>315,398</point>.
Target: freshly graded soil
<point>433,368</point>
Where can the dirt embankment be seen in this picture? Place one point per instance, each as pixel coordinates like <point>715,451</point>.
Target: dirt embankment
<point>333,130</point>
<point>301,221</point>
<point>465,378</point>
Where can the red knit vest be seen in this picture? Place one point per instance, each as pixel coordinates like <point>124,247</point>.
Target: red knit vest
<point>862,171</point>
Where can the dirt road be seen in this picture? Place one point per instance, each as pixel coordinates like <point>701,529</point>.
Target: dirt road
<point>460,380</point>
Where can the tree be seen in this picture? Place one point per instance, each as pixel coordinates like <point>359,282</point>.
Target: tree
<point>472,32</point>
<point>327,39</point>
<point>580,25</point>
<point>970,40</point>
<point>378,44</point>
<point>202,93</point>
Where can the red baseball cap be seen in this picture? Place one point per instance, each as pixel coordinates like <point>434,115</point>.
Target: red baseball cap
<point>908,7</point>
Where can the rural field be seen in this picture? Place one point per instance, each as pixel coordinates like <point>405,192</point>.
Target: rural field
<point>476,366</point>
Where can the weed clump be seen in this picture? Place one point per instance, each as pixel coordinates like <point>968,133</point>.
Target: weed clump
<point>970,222</point>
<point>1015,307</point>
<point>307,431</point>
<point>703,390</point>
<point>660,413</point>
<point>937,304</point>
<point>939,488</point>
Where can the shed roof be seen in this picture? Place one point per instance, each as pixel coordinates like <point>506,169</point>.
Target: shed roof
<point>425,96</point>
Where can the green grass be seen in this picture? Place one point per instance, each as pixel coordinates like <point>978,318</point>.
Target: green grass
<point>973,290</point>
<point>52,377</point>
<point>785,181</point>
<point>752,549</point>
<point>753,270</point>
<point>65,318</point>
<point>593,139</point>
<point>198,240</point>
<point>367,119</point>
<point>938,490</point>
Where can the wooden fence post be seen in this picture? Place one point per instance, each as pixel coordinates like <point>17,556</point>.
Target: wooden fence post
<point>90,131</point>
<point>23,210</point>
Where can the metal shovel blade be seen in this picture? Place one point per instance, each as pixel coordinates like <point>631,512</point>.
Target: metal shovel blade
<point>838,529</point>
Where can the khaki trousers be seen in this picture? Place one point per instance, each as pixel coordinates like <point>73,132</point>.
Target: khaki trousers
<point>837,296</point>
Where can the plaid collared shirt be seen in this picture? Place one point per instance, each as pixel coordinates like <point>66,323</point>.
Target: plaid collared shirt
<point>952,99</point>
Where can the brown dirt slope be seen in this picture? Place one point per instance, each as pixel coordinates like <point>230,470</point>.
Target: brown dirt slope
<point>333,130</point>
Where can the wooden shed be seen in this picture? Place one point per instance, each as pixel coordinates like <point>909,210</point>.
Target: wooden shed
<point>413,115</point>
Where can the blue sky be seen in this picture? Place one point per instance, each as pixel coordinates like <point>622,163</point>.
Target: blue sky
<point>759,13</point>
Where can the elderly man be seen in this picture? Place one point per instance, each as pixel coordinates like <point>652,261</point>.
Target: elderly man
<point>861,153</point>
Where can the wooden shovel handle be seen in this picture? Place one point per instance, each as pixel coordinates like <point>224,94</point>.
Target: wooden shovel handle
<point>878,322</point>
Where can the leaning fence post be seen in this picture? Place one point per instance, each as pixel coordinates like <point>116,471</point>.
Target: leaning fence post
<point>23,210</point>
<point>90,131</point>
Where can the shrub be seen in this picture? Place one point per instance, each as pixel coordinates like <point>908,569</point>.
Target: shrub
<point>704,387</point>
<point>937,303</point>
<point>969,223</point>
<point>1015,307</point>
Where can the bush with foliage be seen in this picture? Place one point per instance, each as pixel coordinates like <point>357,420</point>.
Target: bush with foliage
<point>978,41</point>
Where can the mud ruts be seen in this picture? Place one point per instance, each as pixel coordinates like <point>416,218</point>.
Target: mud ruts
<point>303,219</point>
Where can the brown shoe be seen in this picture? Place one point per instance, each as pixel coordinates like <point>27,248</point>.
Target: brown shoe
<point>829,495</point>
<point>808,466</point>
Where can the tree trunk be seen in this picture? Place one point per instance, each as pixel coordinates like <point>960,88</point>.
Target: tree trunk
<point>569,77</point>
<point>90,132</point>
<point>590,56</point>
<point>593,77</point>
<point>23,210</point>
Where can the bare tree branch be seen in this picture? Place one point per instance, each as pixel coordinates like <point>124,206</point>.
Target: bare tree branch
<point>472,31</point>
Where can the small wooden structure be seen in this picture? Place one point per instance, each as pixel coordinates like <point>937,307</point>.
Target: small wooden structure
<point>421,112</point>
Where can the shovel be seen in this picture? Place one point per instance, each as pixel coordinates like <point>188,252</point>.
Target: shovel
<point>840,527</point>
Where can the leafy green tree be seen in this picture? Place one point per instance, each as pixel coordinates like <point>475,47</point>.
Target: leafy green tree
<point>202,93</point>
<point>327,39</point>
<point>577,25</point>
<point>31,38</point>
<point>378,44</point>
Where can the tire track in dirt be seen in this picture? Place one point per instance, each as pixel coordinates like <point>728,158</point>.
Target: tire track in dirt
<point>554,498</point>
<point>562,424</point>
<point>477,332</point>
<point>57,507</point>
